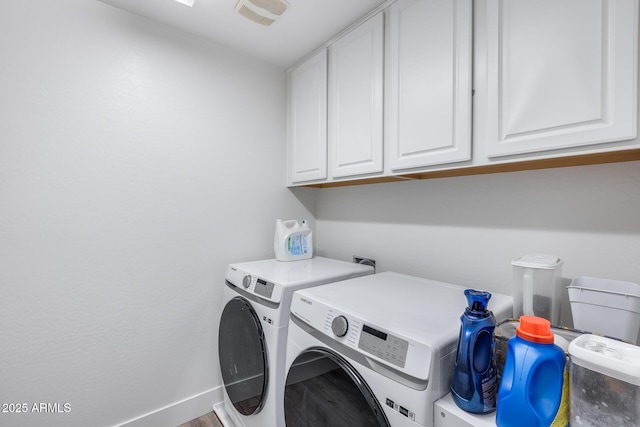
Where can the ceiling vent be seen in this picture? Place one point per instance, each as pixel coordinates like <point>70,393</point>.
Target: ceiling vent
<point>263,12</point>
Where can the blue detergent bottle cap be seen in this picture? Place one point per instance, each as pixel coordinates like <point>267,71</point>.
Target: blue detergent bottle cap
<point>478,301</point>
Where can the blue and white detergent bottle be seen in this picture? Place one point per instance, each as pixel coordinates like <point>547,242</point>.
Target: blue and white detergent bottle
<point>474,385</point>
<point>530,393</point>
<point>292,240</point>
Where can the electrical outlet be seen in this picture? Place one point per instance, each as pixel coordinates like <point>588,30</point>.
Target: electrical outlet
<point>365,261</point>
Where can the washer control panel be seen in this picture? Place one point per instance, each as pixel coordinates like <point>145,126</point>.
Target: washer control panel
<point>253,284</point>
<point>263,288</point>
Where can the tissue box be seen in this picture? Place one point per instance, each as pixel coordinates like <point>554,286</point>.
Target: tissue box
<point>605,382</point>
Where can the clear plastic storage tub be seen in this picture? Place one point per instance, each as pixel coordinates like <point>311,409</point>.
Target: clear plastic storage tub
<point>537,286</point>
<point>605,382</point>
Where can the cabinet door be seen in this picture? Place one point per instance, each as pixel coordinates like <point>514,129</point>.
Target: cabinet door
<point>307,139</point>
<point>429,82</point>
<point>560,74</point>
<point>355,100</point>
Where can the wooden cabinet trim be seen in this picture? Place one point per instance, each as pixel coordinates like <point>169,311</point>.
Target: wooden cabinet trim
<point>557,162</point>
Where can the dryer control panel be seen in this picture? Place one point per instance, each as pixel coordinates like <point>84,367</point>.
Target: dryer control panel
<point>386,346</point>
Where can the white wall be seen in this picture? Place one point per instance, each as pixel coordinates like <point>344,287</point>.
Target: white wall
<point>135,163</point>
<point>467,230</point>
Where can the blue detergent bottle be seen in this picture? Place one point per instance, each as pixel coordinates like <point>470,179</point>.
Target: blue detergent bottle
<point>531,387</point>
<point>473,386</point>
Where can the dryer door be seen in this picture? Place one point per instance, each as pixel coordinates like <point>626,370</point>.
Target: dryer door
<point>243,356</point>
<point>323,389</point>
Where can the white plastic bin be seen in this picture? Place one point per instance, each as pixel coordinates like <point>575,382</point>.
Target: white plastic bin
<point>607,307</point>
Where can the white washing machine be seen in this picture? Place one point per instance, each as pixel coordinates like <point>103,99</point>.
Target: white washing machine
<point>374,351</point>
<point>253,333</point>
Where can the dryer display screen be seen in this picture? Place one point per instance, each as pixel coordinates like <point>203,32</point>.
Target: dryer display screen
<point>374,332</point>
<point>264,288</point>
<point>385,346</point>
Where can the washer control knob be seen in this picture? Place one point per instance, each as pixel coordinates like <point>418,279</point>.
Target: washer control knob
<point>246,282</point>
<point>340,326</point>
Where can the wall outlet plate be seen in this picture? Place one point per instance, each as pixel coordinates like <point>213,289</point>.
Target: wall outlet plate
<point>366,261</point>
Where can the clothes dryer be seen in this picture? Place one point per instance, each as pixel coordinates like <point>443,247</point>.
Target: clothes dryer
<point>374,351</point>
<point>252,335</point>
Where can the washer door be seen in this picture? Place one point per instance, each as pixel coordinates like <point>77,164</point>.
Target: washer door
<point>323,389</point>
<point>243,356</point>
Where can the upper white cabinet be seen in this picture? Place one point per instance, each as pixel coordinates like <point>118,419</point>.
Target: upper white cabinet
<point>307,127</point>
<point>429,75</point>
<point>551,83</point>
<point>560,74</point>
<point>356,64</point>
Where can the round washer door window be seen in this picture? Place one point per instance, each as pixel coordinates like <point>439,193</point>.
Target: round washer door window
<point>243,356</point>
<point>323,389</point>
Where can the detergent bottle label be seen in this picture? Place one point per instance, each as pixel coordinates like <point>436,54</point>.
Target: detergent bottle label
<point>292,241</point>
<point>298,245</point>
<point>490,390</point>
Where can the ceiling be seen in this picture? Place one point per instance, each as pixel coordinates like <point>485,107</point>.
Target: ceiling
<point>305,26</point>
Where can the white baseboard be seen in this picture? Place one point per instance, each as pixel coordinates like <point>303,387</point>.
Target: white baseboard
<point>180,412</point>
